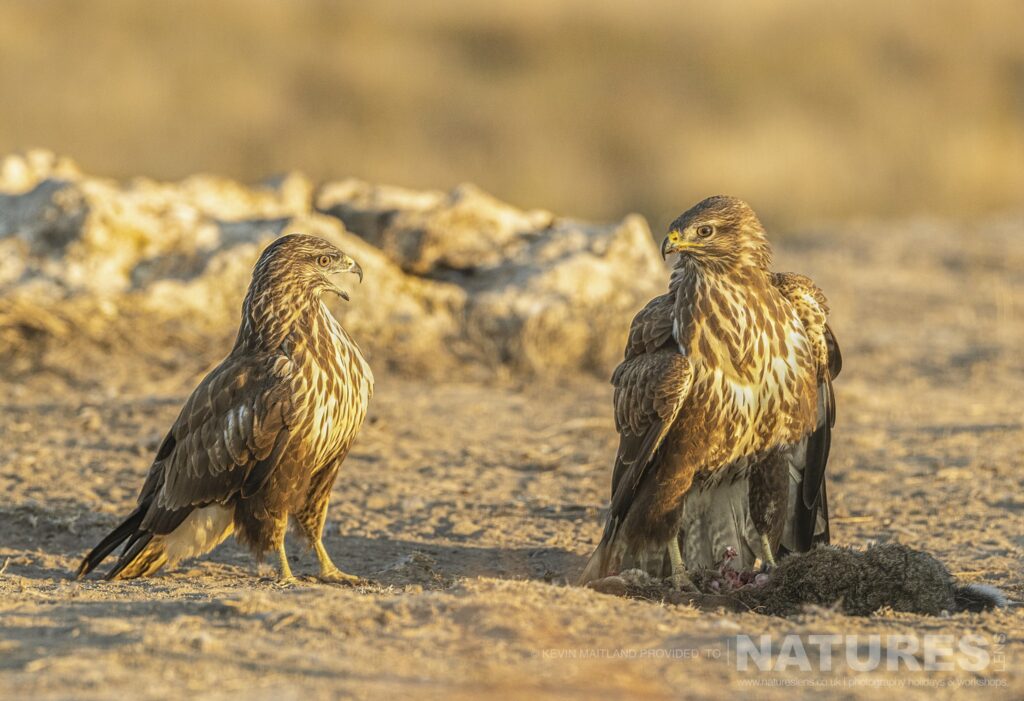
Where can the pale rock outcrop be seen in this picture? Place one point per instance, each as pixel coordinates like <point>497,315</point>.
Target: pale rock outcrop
<point>456,284</point>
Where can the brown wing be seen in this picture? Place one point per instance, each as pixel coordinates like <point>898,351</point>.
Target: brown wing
<point>227,440</point>
<point>651,328</point>
<point>809,513</point>
<point>649,391</point>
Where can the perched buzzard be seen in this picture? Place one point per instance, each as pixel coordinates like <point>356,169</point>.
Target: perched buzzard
<point>263,435</point>
<point>724,408</point>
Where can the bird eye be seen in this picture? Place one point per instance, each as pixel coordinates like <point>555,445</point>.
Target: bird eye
<point>323,261</point>
<point>705,230</point>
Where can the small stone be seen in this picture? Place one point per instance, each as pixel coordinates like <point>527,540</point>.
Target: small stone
<point>90,419</point>
<point>203,642</point>
<point>465,528</point>
<point>413,504</point>
<point>377,502</point>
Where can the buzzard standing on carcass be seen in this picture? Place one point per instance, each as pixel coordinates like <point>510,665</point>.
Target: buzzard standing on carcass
<point>263,435</point>
<point>724,408</point>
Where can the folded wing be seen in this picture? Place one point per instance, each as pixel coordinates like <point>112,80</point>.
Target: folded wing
<point>650,389</point>
<point>226,441</point>
<point>807,524</point>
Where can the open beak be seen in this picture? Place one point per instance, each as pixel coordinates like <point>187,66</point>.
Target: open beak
<point>351,267</point>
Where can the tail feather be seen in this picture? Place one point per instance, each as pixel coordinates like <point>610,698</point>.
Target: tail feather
<point>596,566</point>
<point>606,557</point>
<point>822,531</point>
<point>807,520</point>
<point>144,556</point>
<point>127,529</point>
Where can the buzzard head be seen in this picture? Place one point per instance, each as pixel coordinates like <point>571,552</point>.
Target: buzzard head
<point>301,265</point>
<point>287,282</point>
<point>721,233</point>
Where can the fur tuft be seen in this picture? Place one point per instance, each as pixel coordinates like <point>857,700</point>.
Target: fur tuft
<point>978,597</point>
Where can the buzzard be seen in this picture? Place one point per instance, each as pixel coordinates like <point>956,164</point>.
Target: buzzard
<point>724,408</point>
<point>263,435</point>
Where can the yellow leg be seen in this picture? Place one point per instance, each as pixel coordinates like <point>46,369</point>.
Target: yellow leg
<point>286,576</point>
<point>766,550</point>
<point>680,580</point>
<point>329,572</point>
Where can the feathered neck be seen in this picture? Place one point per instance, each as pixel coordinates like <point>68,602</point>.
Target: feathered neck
<point>275,308</point>
<point>704,297</point>
<point>692,274</point>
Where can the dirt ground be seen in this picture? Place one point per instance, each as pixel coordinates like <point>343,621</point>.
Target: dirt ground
<point>471,508</point>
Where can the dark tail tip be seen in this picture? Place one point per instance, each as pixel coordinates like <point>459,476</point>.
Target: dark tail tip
<point>83,569</point>
<point>127,562</point>
<point>978,597</point>
<point>125,530</point>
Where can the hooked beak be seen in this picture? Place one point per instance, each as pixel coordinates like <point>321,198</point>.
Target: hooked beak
<point>350,267</point>
<point>674,243</point>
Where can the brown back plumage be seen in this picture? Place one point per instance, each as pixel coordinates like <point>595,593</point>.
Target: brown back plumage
<point>723,393</point>
<point>247,441</point>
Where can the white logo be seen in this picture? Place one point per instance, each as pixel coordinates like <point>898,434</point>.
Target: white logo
<point>868,653</point>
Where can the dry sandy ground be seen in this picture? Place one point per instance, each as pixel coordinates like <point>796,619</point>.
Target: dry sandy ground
<point>469,508</point>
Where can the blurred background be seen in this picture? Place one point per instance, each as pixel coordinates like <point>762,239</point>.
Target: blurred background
<point>810,110</point>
